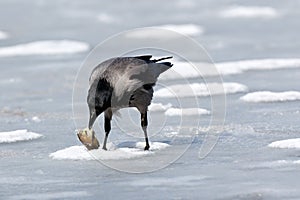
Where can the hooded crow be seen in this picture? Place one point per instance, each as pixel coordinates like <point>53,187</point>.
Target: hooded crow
<point>123,82</point>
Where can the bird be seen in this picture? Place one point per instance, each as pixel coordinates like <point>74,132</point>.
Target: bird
<point>123,82</point>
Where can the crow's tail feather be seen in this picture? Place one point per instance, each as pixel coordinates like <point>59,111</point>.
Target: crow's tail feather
<point>160,59</point>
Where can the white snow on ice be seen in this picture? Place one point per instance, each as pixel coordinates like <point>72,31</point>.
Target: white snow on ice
<point>249,12</point>
<point>172,111</point>
<point>237,67</point>
<point>286,162</point>
<point>185,4</point>
<point>46,47</point>
<point>286,144</point>
<point>18,135</point>
<point>267,96</point>
<point>157,107</point>
<point>156,32</point>
<point>10,80</point>
<point>3,35</point>
<point>182,69</point>
<point>282,163</point>
<point>200,89</point>
<point>274,164</point>
<point>106,18</point>
<point>186,29</point>
<point>36,119</point>
<point>186,111</point>
<point>114,153</point>
<point>189,70</point>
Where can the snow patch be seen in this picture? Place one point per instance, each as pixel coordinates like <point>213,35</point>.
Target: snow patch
<point>285,162</point>
<point>238,67</point>
<point>200,89</point>
<point>36,119</point>
<point>182,69</point>
<point>275,164</point>
<point>249,12</point>
<point>3,35</point>
<point>114,153</point>
<point>185,29</point>
<point>46,47</point>
<point>186,111</point>
<point>189,70</point>
<point>106,18</point>
<point>158,107</point>
<point>267,96</point>
<point>286,144</point>
<point>171,111</point>
<point>18,135</point>
<point>10,81</point>
<point>156,32</point>
<point>185,4</point>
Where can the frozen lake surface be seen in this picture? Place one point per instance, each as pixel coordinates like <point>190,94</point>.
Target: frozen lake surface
<point>256,49</point>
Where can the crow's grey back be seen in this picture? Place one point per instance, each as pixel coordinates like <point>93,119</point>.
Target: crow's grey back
<point>126,74</point>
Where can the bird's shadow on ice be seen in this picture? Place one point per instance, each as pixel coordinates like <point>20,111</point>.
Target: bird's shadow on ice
<point>139,145</point>
<point>127,144</point>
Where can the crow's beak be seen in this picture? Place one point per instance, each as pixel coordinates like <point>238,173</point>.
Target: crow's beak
<point>92,119</point>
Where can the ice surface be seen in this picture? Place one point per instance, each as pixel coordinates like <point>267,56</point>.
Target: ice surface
<point>18,135</point>
<point>3,35</point>
<point>249,12</point>
<point>267,96</point>
<point>53,195</point>
<point>289,144</point>
<point>156,32</point>
<point>172,181</point>
<point>46,47</point>
<point>134,150</point>
<point>263,53</point>
<point>200,89</point>
<point>186,111</point>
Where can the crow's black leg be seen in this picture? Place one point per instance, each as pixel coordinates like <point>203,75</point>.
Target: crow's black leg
<point>144,124</point>
<point>107,126</point>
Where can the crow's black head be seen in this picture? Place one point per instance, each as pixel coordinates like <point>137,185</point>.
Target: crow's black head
<point>99,99</point>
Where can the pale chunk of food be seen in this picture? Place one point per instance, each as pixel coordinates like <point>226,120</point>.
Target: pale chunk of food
<point>88,139</point>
